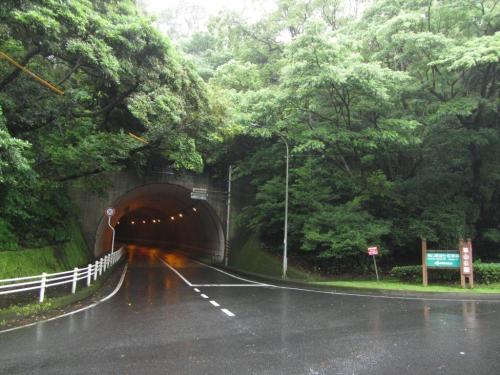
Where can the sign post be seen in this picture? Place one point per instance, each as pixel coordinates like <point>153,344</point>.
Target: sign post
<point>110,211</point>
<point>425,279</point>
<point>466,266</point>
<point>460,259</point>
<point>373,250</point>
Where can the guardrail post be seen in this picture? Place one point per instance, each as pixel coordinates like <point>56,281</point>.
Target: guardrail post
<point>100,267</point>
<point>89,273</point>
<point>96,266</point>
<point>42,287</point>
<point>75,276</point>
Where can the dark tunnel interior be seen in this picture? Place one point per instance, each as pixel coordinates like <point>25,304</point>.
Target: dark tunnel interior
<point>164,216</point>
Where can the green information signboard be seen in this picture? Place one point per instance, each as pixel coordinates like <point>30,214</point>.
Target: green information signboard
<point>443,259</point>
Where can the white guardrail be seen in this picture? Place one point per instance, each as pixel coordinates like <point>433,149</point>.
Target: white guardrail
<point>47,280</point>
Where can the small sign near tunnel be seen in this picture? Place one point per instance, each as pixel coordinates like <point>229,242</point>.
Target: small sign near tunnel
<point>110,211</point>
<point>199,193</point>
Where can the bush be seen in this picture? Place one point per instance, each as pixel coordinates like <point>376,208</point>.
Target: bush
<point>485,273</point>
<point>407,273</point>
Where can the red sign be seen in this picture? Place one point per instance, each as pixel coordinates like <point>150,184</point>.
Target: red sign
<point>373,250</point>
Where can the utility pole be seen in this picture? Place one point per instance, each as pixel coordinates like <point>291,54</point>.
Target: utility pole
<point>226,249</point>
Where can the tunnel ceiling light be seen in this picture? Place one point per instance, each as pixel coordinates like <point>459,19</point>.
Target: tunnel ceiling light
<point>172,218</point>
<point>180,215</point>
<point>154,221</point>
<point>194,209</point>
<point>158,220</point>
<point>132,222</point>
<point>144,221</point>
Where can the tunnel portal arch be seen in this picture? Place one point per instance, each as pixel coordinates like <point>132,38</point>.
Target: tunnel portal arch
<point>128,188</point>
<point>164,214</point>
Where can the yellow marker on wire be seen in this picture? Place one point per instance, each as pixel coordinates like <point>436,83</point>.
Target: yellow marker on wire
<point>140,139</point>
<point>31,74</point>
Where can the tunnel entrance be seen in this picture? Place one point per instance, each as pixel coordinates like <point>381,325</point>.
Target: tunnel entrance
<point>164,215</point>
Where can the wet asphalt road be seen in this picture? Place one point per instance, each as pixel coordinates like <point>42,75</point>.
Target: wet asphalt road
<point>160,323</point>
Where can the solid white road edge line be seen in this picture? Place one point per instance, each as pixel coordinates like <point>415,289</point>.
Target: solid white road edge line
<point>349,294</point>
<point>76,311</point>
<point>203,296</point>
<point>227,312</point>
<point>176,272</point>
<point>335,293</point>
<point>214,303</point>
<point>228,274</point>
<point>231,285</point>
<point>385,297</point>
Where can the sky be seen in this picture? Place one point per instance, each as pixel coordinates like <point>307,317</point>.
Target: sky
<point>180,21</point>
<point>213,6</point>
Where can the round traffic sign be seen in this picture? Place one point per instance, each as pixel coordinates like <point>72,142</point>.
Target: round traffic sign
<point>110,211</point>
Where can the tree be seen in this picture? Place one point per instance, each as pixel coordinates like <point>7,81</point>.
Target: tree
<point>392,116</point>
<point>118,74</point>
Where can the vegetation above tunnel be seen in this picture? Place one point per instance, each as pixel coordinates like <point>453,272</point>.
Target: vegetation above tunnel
<point>390,108</point>
<point>119,75</point>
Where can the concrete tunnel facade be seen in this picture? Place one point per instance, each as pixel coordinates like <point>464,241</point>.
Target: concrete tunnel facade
<point>156,193</point>
<point>163,215</point>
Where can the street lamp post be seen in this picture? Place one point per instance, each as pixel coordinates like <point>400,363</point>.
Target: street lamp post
<point>113,235</point>
<point>285,229</point>
<point>110,211</point>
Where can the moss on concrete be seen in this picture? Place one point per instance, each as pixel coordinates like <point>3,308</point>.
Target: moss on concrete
<point>56,258</point>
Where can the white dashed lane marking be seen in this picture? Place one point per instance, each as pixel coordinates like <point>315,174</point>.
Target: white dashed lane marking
<point>204,296</point>
<point>214,303</point>
<point>196,290</point>
<point>227,312</point>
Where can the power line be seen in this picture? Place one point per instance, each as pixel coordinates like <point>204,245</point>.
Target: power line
<point>31,74</point>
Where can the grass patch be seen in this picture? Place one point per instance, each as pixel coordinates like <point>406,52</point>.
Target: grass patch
<point>402,286</point>
<point>248,256</point>
<point>30,262</point>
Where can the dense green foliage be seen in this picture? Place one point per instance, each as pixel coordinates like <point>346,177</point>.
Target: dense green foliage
<point>119,75</point>
<point>485,273</point>
<point>391,115</point>
<point>390,108</point>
